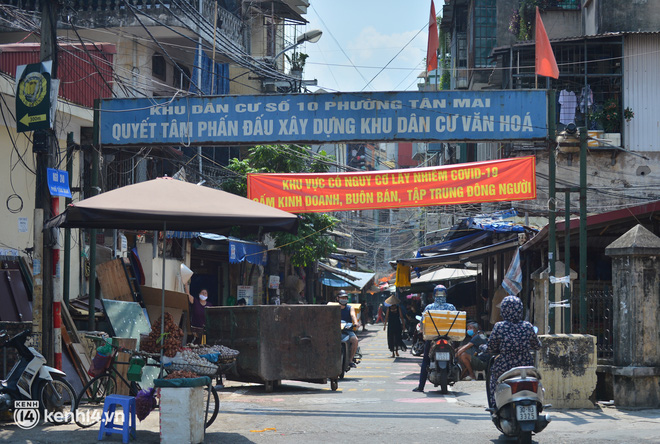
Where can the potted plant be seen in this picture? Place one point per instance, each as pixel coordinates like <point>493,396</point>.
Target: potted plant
<point>297,61</point>
<point>609,119</point>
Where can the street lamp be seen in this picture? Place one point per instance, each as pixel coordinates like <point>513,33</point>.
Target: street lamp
<point>312,36</point>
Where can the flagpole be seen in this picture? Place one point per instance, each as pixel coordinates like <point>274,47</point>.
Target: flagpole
<point>437,70</point>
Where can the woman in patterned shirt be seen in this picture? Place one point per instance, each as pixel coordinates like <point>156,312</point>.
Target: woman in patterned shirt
<point>512,339</point>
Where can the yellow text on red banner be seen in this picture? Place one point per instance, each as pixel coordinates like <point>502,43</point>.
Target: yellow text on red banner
<point>476,182</point>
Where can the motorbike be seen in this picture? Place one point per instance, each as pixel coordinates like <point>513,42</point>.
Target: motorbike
<point>417,347</point>
<point>345,349</point>
<point>518,410</point>
<point>443,371</point>
<point>32,380</point>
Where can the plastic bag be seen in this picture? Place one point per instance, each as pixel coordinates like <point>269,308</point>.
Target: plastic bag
<point>105,349</point>
<point>99,364</point>
<point>145,402</point>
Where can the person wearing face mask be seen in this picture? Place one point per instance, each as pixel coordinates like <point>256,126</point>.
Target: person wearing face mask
<point>348,315</point>
<point>469,356</point>
<point>439,303</point>
<point>197,306</point>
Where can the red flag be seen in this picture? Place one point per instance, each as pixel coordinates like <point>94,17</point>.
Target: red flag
<point>433,44</point>
<point>546,65</point>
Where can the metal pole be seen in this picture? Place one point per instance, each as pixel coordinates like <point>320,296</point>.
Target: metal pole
<point>566,311</point>
<point>583,230</point>
<point>162,301</point>
<point>46,159</point>
<point>66,278</point>
<point>92,247</point>
<point>552,246</point>
<point>57,290</point>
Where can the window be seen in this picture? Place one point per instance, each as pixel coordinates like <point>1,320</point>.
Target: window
<point>485,28</point>
<point>158,66</point>
<point>182,77</point>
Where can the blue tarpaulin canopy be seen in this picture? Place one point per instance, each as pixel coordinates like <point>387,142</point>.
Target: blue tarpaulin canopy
<point>333,276</point>
<point>331,280</point>
<point>238,250</point>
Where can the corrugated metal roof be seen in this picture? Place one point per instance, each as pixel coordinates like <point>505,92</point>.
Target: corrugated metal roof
<point>641,92</point>
<point>506,48</point>
<point>78,68</point>
<point>598,221</point>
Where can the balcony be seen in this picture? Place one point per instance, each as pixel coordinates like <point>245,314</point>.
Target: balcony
<point>136,13</point>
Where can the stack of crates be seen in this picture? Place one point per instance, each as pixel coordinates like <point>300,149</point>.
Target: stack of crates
<point>444,323</point>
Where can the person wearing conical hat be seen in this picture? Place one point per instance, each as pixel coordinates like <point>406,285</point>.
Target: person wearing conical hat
<point>394,318</point>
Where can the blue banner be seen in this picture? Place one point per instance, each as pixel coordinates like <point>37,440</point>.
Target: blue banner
<point>323,118</point>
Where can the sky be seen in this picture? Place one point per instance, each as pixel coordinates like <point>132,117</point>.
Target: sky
<point>361,37</point>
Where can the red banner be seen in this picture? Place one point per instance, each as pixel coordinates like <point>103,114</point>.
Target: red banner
<point>489,181</point>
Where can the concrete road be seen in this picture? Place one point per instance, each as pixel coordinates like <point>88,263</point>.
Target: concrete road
<point>374,404</point>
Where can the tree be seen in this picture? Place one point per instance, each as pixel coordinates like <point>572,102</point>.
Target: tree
<point>311,243</point>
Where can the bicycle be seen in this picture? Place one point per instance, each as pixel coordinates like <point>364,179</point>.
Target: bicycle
<point>91,398</point>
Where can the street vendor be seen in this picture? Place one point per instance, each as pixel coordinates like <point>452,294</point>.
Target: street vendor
<point>197,306</point>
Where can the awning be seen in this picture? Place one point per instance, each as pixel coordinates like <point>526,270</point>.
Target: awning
<point>460,257</point>
<point>444,274</point>
<point>181,234</point>
<point>330,280</point>
<point>356,279</point>
<point>351,252</point>
<point>454,244</point>
<point>609,225</point>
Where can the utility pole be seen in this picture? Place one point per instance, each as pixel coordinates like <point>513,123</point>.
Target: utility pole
<point>552,246</point>
<point>44,146</point>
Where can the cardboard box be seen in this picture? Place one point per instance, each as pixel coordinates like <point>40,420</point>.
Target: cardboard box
<point>444,323</point>
<point>176,304</point>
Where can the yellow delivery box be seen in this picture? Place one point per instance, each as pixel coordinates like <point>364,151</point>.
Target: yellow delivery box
<point>443,323</point>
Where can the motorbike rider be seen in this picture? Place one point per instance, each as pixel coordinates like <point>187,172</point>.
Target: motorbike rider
<point>510,342</point>
<point>348,315</point>
<point>439,303</point>
<point>469,355</point>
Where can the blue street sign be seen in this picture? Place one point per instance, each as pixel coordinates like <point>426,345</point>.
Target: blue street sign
<point>58,183</point>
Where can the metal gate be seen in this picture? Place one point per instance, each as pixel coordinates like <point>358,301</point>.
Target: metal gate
<point>600,319</point>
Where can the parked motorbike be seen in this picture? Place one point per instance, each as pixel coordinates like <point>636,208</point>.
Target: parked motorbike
<point>519,404</point>
<point>443,371</point>
<point>31,379</point>
<point>417,347</point>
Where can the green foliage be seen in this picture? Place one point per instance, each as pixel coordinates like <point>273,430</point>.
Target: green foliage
<point>310,243</point>
<point>609,116</point>
<point>297,60</point>
<point>445,81</point>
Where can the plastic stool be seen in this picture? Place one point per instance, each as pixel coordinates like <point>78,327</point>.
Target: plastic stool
<point>480,374</point>
<point>108,426</point>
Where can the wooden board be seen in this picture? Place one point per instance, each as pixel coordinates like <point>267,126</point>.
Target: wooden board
<point>176,303</point>
<point>69,324</point>
<point>122,369</point>
<point>112,278</point>
<point>82,355</point>
<point>75,361</point>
